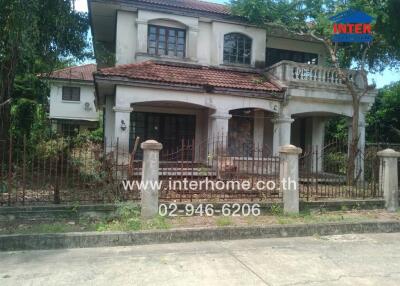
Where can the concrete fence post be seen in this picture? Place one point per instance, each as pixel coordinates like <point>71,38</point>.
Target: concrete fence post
<point>289,178</point>
<point>150,171</point>
<point>388,178</point>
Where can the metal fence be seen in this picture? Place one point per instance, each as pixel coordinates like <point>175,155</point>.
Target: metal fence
<point>68,171</point>
<point>324,173</point>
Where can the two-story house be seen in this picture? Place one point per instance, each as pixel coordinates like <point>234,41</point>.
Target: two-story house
<point>189,69</point>
<point>72,100</point>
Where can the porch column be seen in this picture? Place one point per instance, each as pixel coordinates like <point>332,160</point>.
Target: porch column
<point>282,129</point>
<point>361,145</point>
<point>121,127</point>
<point>218,128</point>
<point>258,133</point>
<point>318,138</point>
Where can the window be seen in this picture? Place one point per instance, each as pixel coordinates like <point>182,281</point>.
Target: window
<point>71,93</point>
<point>237,49</point>
<point>165,41</point>
<point>276,55</point>
<point>69,129</point>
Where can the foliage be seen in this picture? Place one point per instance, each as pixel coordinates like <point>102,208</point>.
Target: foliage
<point>52,148</point>
<point>336,128</point>
<point>36,37</point>
<point>312,17</point>
<point>384,116</point>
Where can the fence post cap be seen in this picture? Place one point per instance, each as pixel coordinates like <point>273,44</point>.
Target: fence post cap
<point>290,149</point>
<point>388,153</point>
<point>151,145</point>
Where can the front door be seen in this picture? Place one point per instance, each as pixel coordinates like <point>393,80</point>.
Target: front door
<point>168,129</point>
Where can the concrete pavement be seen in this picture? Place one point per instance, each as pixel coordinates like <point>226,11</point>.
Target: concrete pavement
<point>367,259</point>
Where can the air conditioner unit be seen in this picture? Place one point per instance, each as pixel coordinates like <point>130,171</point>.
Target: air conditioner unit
<point>87,106</point>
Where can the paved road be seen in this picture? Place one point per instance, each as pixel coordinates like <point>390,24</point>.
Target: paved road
<point>335,260</point>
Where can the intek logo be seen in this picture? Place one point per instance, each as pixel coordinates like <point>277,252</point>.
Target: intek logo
<point>352,26</point>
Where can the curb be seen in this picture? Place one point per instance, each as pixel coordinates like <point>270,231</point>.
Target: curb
<point>108,239</point>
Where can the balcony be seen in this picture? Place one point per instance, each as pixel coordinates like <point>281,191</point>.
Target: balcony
<point>299,74</point>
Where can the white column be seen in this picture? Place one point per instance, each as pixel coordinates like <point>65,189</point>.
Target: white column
<point>192,43</point>
<point>282,129</point>
<point>121,127</point>
<point>388,179</point>
<point>361,144</point>
<point>141,36</point>
<point>258,133</point>
<point>150,171</point>
<point>318,137</point>
<point>218,128</point>
<point>289,176</point>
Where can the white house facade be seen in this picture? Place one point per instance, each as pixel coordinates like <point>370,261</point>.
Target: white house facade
<point>189,69</point>
<point>72,100</point>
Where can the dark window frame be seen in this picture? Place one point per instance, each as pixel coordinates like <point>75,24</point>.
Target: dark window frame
<point>166,41</point>
<point>274,56</point>
<point>70,96</point>
<point>239,53</point>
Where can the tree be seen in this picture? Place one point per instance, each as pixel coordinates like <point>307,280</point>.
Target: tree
<point>311,18</point>
<point>36,36</point>
<point>384,116</point>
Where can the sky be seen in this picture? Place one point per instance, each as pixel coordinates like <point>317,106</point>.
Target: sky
<point>381,79</point>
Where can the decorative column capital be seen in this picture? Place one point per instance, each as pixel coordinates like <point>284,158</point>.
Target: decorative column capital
<point>151,145</point>
<point>285,119</point>
<point>389,153</point>
<point>226,116</point>
<point>122,109</point>
<point>290,149</point>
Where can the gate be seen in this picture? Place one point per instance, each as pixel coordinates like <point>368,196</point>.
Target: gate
<point>214,173</point>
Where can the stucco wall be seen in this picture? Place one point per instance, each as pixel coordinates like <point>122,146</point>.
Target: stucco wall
<point>126,37</point>
<point>60,109</point>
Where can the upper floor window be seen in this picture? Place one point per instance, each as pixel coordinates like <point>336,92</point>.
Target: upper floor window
<point>237,49</point>
<point>166,41</point>
<point>71,93</point>
<point>277,55</point>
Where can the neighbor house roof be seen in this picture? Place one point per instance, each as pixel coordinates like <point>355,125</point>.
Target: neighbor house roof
<point>191,4</point>
<point>194,75</point>
<point>80,73</point>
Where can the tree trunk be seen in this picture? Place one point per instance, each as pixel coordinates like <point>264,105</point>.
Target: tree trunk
<point>353,148</point>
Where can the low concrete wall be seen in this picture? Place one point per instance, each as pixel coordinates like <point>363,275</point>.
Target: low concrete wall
<point>54,212</point>
<point>107,239</point>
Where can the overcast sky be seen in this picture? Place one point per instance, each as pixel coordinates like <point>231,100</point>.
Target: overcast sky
<point>381,79</point>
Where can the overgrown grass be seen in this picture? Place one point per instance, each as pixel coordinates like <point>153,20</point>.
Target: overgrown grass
<point>224,221</point>
<point>127,218</point>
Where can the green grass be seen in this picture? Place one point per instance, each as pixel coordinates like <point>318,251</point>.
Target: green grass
<point>224,221</point>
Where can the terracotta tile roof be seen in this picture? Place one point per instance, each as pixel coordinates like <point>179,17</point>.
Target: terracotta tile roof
<point>195,75</point>
<point>84,73</point>
<point>191,4</point>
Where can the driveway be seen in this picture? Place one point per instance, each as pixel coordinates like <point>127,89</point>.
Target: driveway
<point>372,259</point>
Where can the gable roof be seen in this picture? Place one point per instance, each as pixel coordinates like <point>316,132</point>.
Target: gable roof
<point>192,5</point>
<point>79,73</point>
<point>352,16</point>
<point>193,75</point>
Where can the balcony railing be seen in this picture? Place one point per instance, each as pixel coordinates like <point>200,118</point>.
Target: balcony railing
<point>287,71</point>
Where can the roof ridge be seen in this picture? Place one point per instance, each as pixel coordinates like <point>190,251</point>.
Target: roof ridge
<point>72,67</point>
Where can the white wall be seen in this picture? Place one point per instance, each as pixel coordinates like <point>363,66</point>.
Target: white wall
<point>60,109</point>
<point>220,29</point>
<point>126,37</point>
